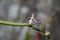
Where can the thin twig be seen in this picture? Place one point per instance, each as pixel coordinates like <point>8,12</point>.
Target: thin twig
<point>13,23</point>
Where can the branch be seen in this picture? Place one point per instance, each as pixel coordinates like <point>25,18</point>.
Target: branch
<point>13,23</point>
<point>20,24</point>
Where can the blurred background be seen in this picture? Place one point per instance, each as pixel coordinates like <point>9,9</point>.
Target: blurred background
<point>45,11</point>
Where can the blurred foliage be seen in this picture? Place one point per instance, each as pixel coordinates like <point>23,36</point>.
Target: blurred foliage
<point>5,5</point>
<point>27,35</point>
